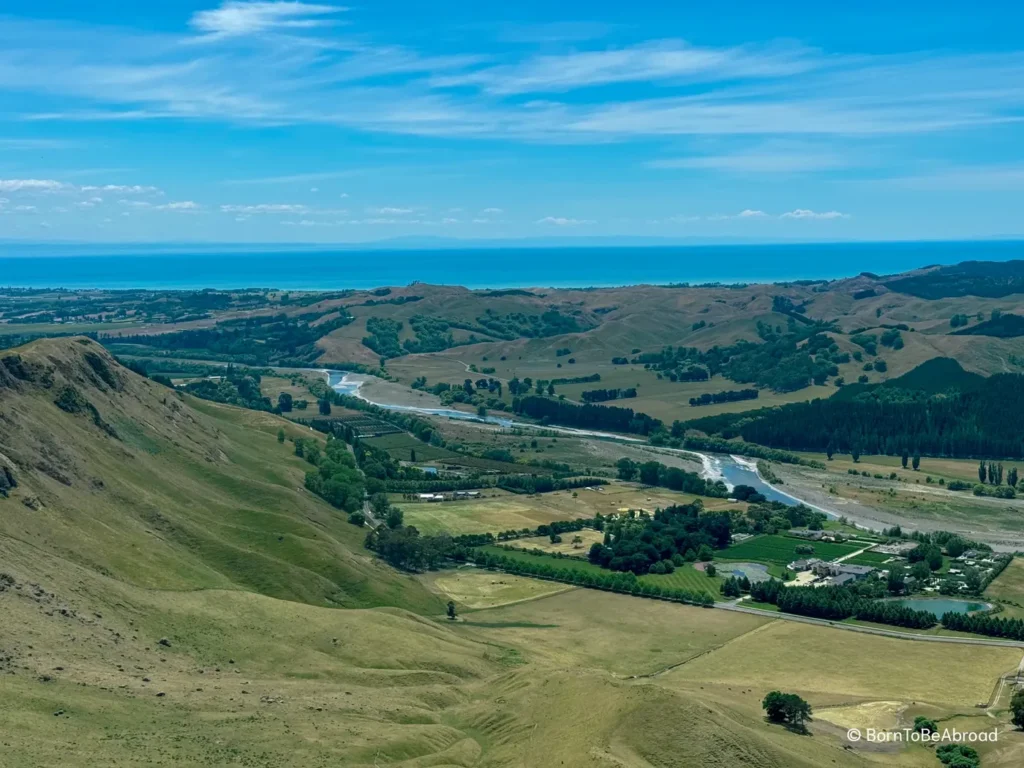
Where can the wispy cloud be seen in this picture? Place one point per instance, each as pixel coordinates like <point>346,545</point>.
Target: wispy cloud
<point>561,221</point>
<point>803,213</point>
<point>234,19</point>
<point>291,67</point>
<point>648,62</point>
<point>265,208</point>
<point>298,178</point>
<point>389,211</point>
<point>31,185</point>
<point>765,161</point>
<point>967,178</point>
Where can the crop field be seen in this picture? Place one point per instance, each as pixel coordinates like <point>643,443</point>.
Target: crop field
<point>402,445</point>
<point>781,550</point>
<point>498,511</point>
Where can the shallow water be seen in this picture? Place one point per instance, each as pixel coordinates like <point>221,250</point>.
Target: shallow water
<point>939,606</point>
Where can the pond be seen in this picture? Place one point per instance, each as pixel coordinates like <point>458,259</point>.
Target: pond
<point>753,571</point>
<point>939,606</point>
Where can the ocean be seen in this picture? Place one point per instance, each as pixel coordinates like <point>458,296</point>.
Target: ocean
<point>325,269</point>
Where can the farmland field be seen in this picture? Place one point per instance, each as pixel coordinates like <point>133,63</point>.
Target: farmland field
<point>624,634</point>
<point>817,660</point>
<point>499,510</point>
<point>781,550</point>
<point>565,546</point>
<point>1008,589</point>
<point>477,589</point>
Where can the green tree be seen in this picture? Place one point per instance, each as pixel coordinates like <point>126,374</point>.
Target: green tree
<point>904,457</point>
<point>786,708</point>
<point>982,471</point>
<point>855,453</point>
<point>280,435</point>
<point>627,468</point>
<point>830,450</point>
<point>923,724</point>
<point>412,455</point>
<point>710,570</point>
<point>1017,709</point>
<point>896,581</point>
<point>284,402</point>
<point>300,447</point>
<point>916,462</point>
<point>325,406</point>
<point>451,610</point>
<point>394,518</point>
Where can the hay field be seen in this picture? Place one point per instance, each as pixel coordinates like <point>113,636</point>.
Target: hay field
<point>476,589</point>
<point>815,660</point>
<point>1008,589</point>
<point>501,511</point>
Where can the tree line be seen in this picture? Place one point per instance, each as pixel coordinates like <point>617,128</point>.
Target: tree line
<point>603,395</point>
<point>838,603</point>
<point>588,416</point>
<point>676,479</point>
<point>988,421</point>
<point>623,583</point>
<point>982,624</point>
<point>728,396</point>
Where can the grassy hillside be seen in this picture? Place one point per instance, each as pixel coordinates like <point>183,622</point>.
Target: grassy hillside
<point>173,493</point>
<point>173,596</point>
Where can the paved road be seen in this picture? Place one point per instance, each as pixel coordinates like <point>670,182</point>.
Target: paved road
<point>870,630</point>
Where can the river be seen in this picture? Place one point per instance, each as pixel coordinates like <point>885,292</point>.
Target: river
<point>732,470</point>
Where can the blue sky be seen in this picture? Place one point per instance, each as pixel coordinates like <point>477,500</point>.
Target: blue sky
<point>320,122</point>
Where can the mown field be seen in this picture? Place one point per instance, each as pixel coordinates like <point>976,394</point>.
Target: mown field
<point>1008,589</point>
<point>781,550</point>
<point>476,589</point>
<point>500,510</point>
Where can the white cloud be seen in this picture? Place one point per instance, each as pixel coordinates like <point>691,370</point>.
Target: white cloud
<point>449,221</point>
<point>31,185</point>
<point>314,189</point>
<point>388,211</point>
<point>241,18</point>
<point>561,221</point>
<point>647,62</point>
<point>25,208</point>
<point>123,189</point>
<point>964,178</point>
<point>265,208</point>
<point>756,162</point>
<point>803,213</point>
<point>492,211</point>
<point>750,214</point>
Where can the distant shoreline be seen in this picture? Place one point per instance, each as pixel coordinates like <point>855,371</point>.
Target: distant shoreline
<point>574,266</point>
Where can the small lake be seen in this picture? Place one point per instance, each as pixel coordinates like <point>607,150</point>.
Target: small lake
<point>939,606</point>
<point>753,571</point>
